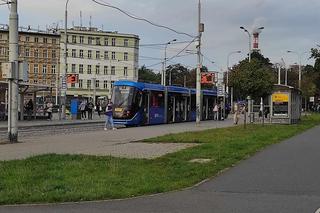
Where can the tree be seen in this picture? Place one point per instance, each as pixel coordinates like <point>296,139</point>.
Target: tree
<point>253,79</point>
<point>178,73</point>
<point>148,76</point>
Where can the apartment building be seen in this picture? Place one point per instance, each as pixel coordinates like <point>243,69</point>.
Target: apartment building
<point>99,58</point>
<point>42,52</point>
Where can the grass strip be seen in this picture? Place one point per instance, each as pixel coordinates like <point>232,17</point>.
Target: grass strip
<point>63,178</point>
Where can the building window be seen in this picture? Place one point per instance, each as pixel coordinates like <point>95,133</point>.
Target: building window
<point>97,69</point>
<point>106,41</point>
<point>105,70</point>
<point>106,55</point>
<point>36,40</point>
<point>90,39</point>
<point>97,54</point>
<point>45,40</point>
<point>89,84</point>
<point>98,41</point>
<point>105,84</point>
<point>81,39</point>
<point>35,81</point>
<point>53,69</point>
<point>36,53</point>
<point>80,83</point>
<point>113,42</point>
<point>81,54</point>
<point>89,54</point>
<point>113,70</point>
<point>126,42</point>
<point>54,53</point>
<point>125,57</point>
<point>35,69</point>
<point>74,39</point>
<point>74,53</point>
<point>27,52</point>
<point>97,84</point>
<point>112,83</point>
<point>44,69</point>
<point>81,68</point>
<point>27,38</point>
<point>125,71</point>
<point>73,68</point>
<point>89,71</point>
<point>54,41</point>
<point>45,54</point>
<point>113,55</point>
<point>136,43</point>
<point>73,85</point>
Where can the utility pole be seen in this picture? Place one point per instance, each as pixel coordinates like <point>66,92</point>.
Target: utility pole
<point>13,82</point>
<point>64,68</point>
<point>198,83</point>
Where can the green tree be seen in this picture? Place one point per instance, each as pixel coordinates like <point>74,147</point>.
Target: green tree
<point>253,79</point>
<point>148,76</point>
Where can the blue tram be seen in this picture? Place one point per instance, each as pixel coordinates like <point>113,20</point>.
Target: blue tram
<point>136,103</point>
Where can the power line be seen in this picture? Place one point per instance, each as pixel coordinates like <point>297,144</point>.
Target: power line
<point>169,59</point>
<point>162,44</point>
<point>142,19</point>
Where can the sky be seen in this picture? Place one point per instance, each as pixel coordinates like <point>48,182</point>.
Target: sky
<point>288,25</point>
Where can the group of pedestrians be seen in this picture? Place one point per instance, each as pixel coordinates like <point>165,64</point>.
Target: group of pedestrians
<point>86,108</point>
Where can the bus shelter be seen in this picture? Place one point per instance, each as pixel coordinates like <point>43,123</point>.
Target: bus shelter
<point>285,105</point>
<point>26,91</point>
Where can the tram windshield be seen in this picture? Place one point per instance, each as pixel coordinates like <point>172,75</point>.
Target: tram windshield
<point>123,96</point>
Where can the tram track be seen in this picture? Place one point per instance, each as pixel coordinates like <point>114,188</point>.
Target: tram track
<point>35,131</point>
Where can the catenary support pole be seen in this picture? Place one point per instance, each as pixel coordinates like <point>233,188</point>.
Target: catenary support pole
<point>13,83</point>
<point>198,84</point>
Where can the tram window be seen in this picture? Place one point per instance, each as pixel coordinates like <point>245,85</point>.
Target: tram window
<point>157,99</point>
<point>193,103</point>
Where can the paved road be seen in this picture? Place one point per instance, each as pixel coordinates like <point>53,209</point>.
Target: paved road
<point>100,142</point>
<point>284,178</point>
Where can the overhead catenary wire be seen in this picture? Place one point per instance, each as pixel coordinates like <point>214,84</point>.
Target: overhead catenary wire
<point>169,59</point>
<point>141,19</point>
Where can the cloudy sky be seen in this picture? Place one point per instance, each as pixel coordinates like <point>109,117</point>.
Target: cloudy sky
<point>289,25</point>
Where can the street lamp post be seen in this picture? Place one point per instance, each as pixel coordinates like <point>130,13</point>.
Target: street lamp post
<point>299,56</point>
<point>228,69</point>
<point>250,39</point>
<point>164,65</point>
<point>249,35</point>
<point>64,69</point>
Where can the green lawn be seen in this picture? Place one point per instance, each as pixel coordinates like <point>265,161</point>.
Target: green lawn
<point>57,178</point>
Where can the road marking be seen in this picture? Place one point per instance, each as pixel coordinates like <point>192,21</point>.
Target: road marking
<point>318,211</point>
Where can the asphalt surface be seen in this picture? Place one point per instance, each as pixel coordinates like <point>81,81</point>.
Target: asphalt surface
<point>284,178</point>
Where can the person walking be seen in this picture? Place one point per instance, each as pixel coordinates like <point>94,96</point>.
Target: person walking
<point>82,108</point>
<point>109,118</point>
<point>98,108</point>
<point>29,109</point>
<point>90,107</point>
<point>49,110</point>
<point>215,112</point>
<point>236,115</point>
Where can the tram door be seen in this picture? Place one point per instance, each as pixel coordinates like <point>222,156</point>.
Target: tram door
<point>146,107</point>
<point>171,108</point>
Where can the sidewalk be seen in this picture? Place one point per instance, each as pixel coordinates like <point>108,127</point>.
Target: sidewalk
<point>104,143</point>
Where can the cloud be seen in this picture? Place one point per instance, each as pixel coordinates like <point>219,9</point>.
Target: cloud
<point>288,24</point>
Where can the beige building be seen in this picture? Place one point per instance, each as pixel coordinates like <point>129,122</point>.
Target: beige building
<point>41,50</point>
<point>99,58</point>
